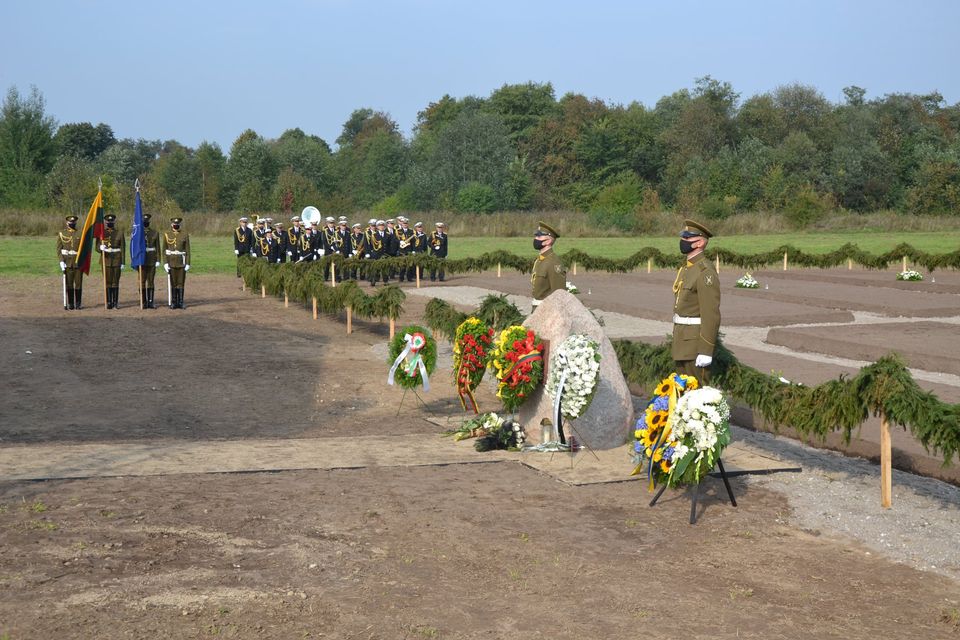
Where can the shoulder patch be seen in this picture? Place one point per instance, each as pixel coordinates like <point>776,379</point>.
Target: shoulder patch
<point>559,268</point>
<point>708,279</point>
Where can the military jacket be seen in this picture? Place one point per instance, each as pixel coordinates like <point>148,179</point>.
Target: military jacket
<point>419,243</point>
<point>330,242</point>
<point>68,245</point>
<point>357,245</point>
<point>696,296</point>
<point>151,238</point>
<point>116,251</point>
<point>548,275</point>
<point>343,238</point>
<point>405,240</point>
<point>377,243</point>
<point>293,242</point>
<point>243,240</point>
<point>176,248</point>
<point>438,244</point>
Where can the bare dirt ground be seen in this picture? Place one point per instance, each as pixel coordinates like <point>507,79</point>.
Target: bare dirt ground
<point>459,551</point>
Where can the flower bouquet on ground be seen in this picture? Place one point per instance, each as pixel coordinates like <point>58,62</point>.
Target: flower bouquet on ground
<point>506,434</point>
<point>682,432</point>
<point>574,374</point>
<point>413,356</point>
<point>476,427</point>
<point>572,288</point>
<point>471,354</point>
<point>517,361</point>
<point>747,281</point>
<point>910,276</point>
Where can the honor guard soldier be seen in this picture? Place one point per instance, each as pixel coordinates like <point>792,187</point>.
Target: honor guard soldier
<point>391,247</point>
<point>438,249</point>
<point>330,242</point>
<point>696,309</point>
<point>242,241</point>
<point>357,248</point>
<point>308,244</point>
<point>265,248</point>
<point>259,232</point>
<point>293,239</point>
<point>343,238</point>
<point>549,274</point>
<point>419,245</point>
<point>112,250</point>
<point>151,260</point>
<point>404,235</point>
<point>176,252</point>
<point>68,245</point>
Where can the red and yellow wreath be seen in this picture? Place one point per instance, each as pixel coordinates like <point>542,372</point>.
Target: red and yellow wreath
<point>518,362</point>
<point>471,354</point>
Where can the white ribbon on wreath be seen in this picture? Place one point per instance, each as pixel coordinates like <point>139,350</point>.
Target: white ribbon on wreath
<point>415,343</point>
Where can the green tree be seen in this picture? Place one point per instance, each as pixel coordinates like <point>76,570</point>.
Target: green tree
<point>309,156</point>
<point>295,189</point>
<point>27,149</point>
<point>473,148</point>
<point>212,165</point>
<point>179,174</point>
<point>72,184</point>
<point>522,106</point>
<point>476,197</point>
<point>128,159</point>
<point>250,161</point>
<point>84,140</point>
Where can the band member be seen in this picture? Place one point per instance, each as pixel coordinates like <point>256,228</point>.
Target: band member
<point>330,242</point>
<point>280,237</point>
<point>377,248</point>
<point>438,249</point>
<point>308,244</point>
<point>242,241</point>
<point>343,237</point>
<point>112,250</point>
<point>404,236</point>
<point>68,245</point>
<point>293,240</point>
<point>176,253</point>
<point>418,245</point>
<point>151,260</point>
<point>259,233</point>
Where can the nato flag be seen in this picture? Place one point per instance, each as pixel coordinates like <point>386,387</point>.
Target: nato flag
<point>138,243</point>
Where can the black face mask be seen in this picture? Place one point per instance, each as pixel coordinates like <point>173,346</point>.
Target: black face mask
<point>146,223</point>
<point>537,244</point>
<point>72,225</point>
<point>686,246</point>
<point>176,227</point>
<point>109,225</point>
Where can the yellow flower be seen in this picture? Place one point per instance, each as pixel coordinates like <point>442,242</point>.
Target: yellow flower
<point>665,387</point>
<point>639,433</point>
<point>649,437</point>
<point>658,454</point>
<point>692,383</point>
<point>665,466</point>
<point>649,452</point>
<point>655,419</point>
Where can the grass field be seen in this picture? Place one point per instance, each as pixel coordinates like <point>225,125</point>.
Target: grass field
<point>31,256</point>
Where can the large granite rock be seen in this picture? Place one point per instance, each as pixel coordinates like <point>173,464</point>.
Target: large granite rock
<point>608,421</point>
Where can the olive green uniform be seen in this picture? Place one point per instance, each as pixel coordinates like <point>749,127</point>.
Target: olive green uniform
<point>696,315</point>
<point>114,256</point>
<point>148,272</point>
<point>548,275</point>
<point>68,246</point>
<point>176,253</point>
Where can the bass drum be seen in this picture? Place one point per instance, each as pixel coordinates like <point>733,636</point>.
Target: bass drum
<point>311,215</point>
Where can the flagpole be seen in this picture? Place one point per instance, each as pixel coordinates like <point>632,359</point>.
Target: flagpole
<point>64,289</point>
<point>139,267</point>
<point>103,264</point>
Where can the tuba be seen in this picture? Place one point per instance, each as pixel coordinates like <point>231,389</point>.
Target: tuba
<point>311,214</point>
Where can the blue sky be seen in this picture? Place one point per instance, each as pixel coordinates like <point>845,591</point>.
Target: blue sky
<point>208,70</point>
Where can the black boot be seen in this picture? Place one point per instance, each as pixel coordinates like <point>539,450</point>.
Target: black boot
<point>180,298</point>
<point>69,299</point>
<point>116,297</point>
<point>77,294</point>
<point>149,294</point>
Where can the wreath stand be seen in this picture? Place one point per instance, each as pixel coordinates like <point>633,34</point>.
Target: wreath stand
<point>696,491</point>
<point>403,397</point>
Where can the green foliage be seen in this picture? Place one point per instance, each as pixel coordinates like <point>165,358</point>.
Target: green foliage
<point>83,140</point>
<point>428,353</point>
<point>937,189</point>
<point>836,405</point>
<point>27,148</point>
<point>805,207</point>
<point>249,171</point>
<point>72,184</point>
<point>475,197</point>
<point>292,192</point>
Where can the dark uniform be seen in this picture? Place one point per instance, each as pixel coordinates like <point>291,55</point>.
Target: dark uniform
<point>377,243</point>
<point>280,238</point>
<point>343,238</point>
<point>113,252</point>
<point>438,249</point>
<point>357,246</point>
<point>405,238</point>
<point>242,242</point>
<point>294,234</point>
<point>68,246</point>
<point>549,274</point>
<point>151,260</point>
<point>176,252</point>
<point>696,310</point>
<point>307,245</point>
<point>418,246</point>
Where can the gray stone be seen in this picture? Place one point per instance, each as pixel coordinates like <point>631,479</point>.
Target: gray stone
<point>608,421</point>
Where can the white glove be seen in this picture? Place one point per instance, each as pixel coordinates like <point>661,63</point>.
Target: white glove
<point>103,247</point>
<point>278,260</point>
<point>121,267</point>
<point>236,251</point>
<point>156,264</point>
<point>703,361</point>
<point>321,251</point>
<point>367,255</point>
<point>186,267</point>
<point>63,266</point>
<point>290,253</point>
<point>166,268</point>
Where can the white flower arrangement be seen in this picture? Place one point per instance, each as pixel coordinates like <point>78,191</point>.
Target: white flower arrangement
<point>491,422</point>
<point>572,288</point>
<point>910,276</point>
<point>579,357</point>
<point>701,428</point>
<point>747,281</point>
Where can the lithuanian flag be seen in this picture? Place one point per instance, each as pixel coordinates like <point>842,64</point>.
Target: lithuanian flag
<point>92,228</point>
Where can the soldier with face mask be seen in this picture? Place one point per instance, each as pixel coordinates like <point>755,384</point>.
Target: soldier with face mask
<point>549,274</point>
<point>176,251</point>
<point>113,250</point>
<point>151,261</point>
<point>696,309</point>
<point>68,245</point>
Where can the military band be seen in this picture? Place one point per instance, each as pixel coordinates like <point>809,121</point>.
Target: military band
<point>242,241</point>
<point>438,249</point>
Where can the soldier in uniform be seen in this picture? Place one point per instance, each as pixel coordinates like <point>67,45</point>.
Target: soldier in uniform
<point>151,260</point>
<point>549,274</point>
<point>293,239</point>
<point>438,249</point>
<point>391,247</point>
<point>242,241</point>
<point>259,232</point>
<point>68,245</point>
<point>308,244</point>
<point>696,310</point>
<point>113,252</point>
<point>377,249</point>
<point>343,238</point>
<point>418,246</point>
<point>176,251</point>
<point>404,235</point>
<point>357,246</point>
<point>280,238</point>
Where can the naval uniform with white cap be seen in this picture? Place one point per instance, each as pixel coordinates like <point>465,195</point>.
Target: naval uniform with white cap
<point>294,233</point>
<point>417,245</point>
<point>696,309</point>
<point>151,260</point>
<point>242,241</point>
<point>549,274</point>
<point>113,251</point>
<point>438,249</point>
<point>68,246</point>
<point>176,253</point>
<point>357,244</point>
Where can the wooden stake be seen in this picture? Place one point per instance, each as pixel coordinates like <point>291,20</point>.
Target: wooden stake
<point>718,263</point>
<point>333,274</point>
<point>418,276</point>
<point>263,291</point>
<point>574,268</point>
<point>649,265</point>
<point>314,307</point>
<point>286,300</point>
<point>243,285</point>
<point>784,260</point>
<point>849,264</point>
<point>393,328</point>
<point>904,263</point>
<point>349,319</point>
<point>498,269</point>
<point>886,479</point>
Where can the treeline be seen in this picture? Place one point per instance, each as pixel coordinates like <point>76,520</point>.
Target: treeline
<point>702,150</point>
